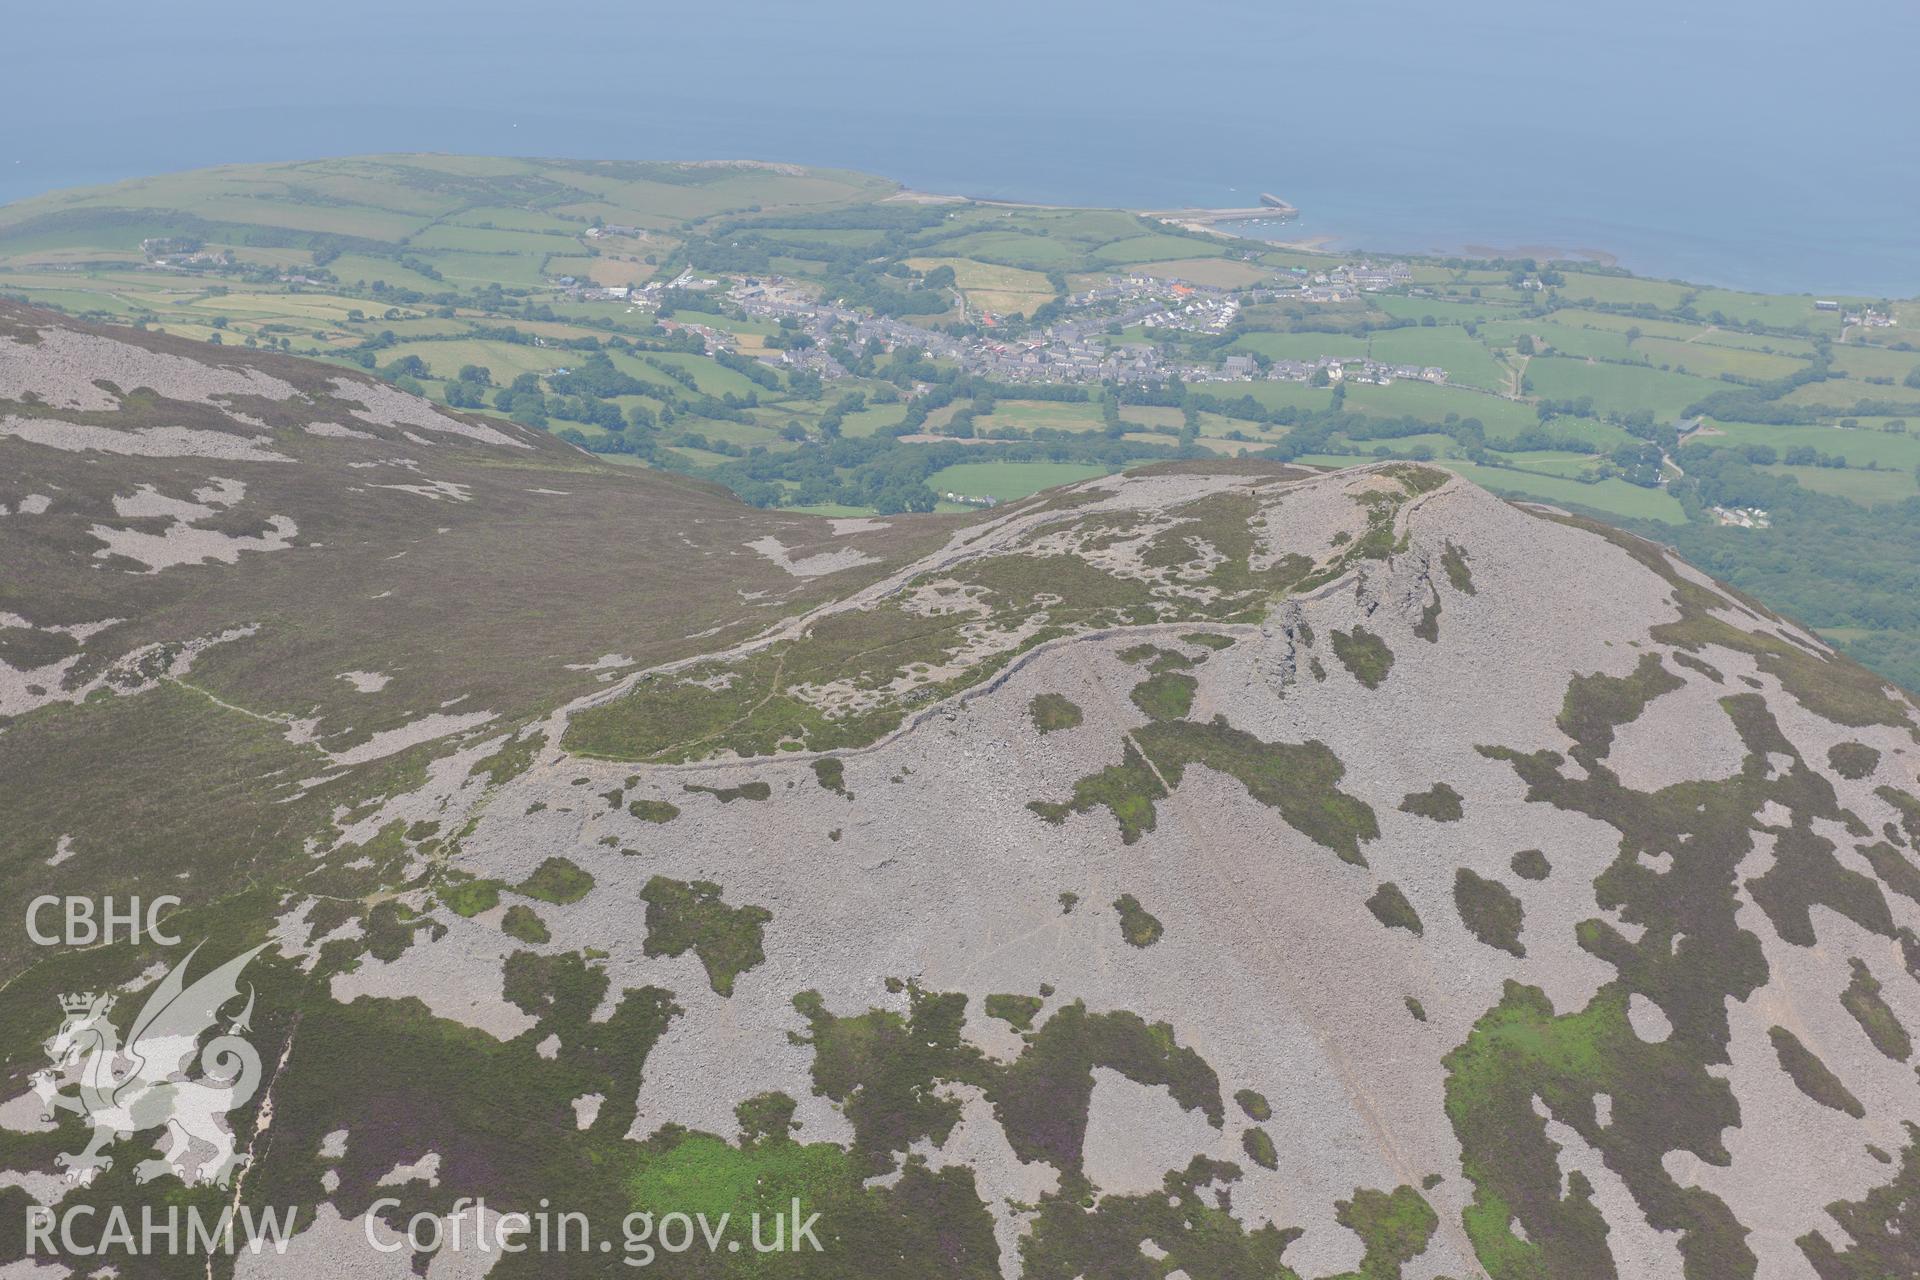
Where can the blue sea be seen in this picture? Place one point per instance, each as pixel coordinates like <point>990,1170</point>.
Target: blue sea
<point>1757,144</point>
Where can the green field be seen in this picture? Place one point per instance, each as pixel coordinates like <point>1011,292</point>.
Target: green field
<point>1448,310</point>
<point>1600,434</point>
<point>1629,290</point>
<point>1610,497</point>
<point>1061,415</point>
<point>1709,359</point>
<point>1859,446</point>
<point>1551,463</point>
<point>1010,248</point>
<point>476,270</point>
<point>1868,488</point>
<point>482,240</point>
<point>1838,396</point>
<point>1440,443</point>
<point>1276,395</point>
<point>1623,388</point>
<point>1875,362</point>
<point>1303,346</point>
<point>1407,398</point>
<point>506,360</point>
<point>1465,358</point>
<point>510,218</point>
<point>1149,248</point>
<point>1008,480</point>
<point>1776,311</point>
<point>709,377</point>
<point>1569,339</point>
<point>868,421</point>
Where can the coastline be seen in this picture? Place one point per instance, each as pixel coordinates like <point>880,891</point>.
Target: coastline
<point>1682,260</point>
<point>1703,261</point>
<point>1598,257</point>
<point>1248,223</point>
<point>1334,242</point>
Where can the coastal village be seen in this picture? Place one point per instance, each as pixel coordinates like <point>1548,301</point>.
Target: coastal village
<point>1567,371</point>
<point>1079,348</point>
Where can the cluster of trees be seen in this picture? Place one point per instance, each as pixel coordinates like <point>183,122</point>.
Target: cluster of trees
<point>1762,402</point>
<point>1637,464</point>
<point>890,291</point>
<point>864,272</point>
<point>1807,456</point>
<point>852,402</point>
<point>1518,273</point>
<point>1578,407</point>
<point>598,377</point>
<point>732,256</point>
<point>523,401</point>
<point>1824,560</point>
<point>882,473</point>
<point>468,389</point>
<point>586,393</point>
<point>867,271</point>
<point>752,370</point>
<point>1765,455</point>
<point>787,336</point>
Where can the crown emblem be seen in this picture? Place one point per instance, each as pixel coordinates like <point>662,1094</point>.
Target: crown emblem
<point>80,1002</point>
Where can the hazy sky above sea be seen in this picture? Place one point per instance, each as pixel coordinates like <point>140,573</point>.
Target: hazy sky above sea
<point>1765,144</point>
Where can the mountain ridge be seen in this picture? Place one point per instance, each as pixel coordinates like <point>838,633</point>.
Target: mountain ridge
<point>1132,879</point>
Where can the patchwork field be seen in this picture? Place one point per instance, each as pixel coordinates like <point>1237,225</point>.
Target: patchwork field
<point>1564,382</point>
<point>1867,488</point>
<point>993,287</point>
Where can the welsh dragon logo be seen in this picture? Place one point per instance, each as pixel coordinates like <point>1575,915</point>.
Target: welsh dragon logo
<point>143,1084</point>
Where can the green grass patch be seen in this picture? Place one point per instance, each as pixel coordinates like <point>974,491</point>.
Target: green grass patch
<point>1812,1076</point>
<point>1053,712</point>
<point>727,795</point>
<point>557,880</point>
<point>1137,925</point>
<point>1489,910</point>
<point>1440,802</point>
<point>521,922</point>
<point>1016,1011</point>
<point>1364,654</point>
<point>1253,1105</point>
<point>1531,864</point>
<point>1391,908</point>
<point>470,897</point>
<point>831,773</point>
<point>683,916</point>
<point>1166,696</point>
<point>1258,1145</point>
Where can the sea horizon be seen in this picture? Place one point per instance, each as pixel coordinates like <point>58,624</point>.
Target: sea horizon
<point>1393,126</point>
